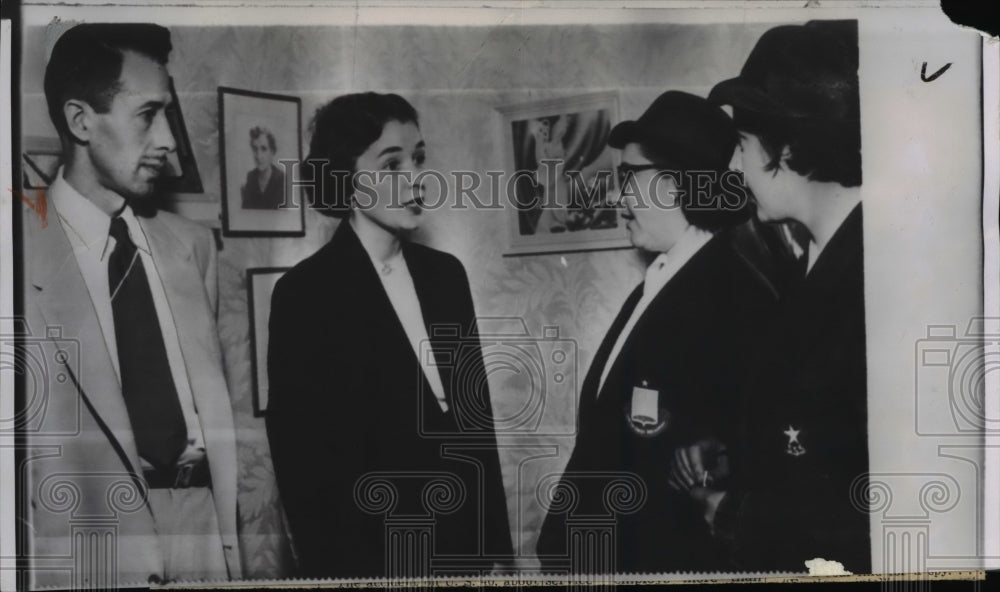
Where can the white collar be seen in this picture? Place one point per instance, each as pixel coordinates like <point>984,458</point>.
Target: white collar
<point>87,222</point>
<point>812,254</point>
<point>666,264</point>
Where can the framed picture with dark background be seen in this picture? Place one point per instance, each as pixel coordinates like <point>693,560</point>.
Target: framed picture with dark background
<point>259,133</point>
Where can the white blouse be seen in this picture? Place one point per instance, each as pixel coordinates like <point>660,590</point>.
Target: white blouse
<point>398,285</point>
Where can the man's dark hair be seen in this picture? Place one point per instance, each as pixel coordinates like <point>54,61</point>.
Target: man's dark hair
<point>86,64</point>
<point>341,132</point>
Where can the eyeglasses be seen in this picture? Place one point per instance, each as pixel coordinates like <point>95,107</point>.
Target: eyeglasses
<point>626,170</point>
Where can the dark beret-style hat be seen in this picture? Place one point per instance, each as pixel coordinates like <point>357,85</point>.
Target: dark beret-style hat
<point>806,73</point>
<point>683,130</point>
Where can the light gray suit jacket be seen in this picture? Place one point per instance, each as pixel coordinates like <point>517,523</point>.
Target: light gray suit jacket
<point>86,522</point>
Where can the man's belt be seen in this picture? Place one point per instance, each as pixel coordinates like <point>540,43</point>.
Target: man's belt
<point>179,477</point>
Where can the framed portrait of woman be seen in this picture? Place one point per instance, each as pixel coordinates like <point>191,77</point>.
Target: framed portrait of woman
<point>560,174</point>
<point>260,142</point>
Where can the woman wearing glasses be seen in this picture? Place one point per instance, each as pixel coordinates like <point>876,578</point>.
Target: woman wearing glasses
<point>379,420</point>
<point>666,372</point>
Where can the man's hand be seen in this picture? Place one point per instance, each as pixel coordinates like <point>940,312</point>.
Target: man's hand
<point>710,498</point>
<point>699,465</point>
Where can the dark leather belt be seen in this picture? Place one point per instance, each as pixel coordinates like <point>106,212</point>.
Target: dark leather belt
<point>180,477</point>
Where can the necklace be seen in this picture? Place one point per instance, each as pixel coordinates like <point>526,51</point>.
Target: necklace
<point>386,268</point>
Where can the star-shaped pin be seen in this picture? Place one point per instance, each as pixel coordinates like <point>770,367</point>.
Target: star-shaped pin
<point>794,447</point>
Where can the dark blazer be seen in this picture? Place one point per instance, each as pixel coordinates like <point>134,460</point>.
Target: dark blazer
<point>361,448</point>
<point>691,346</point>
<point>271,197</point>
<point>791,501</point>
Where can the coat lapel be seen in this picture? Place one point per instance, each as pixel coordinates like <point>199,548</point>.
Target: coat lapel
<point>427,294</point>
<point>836,281</point>
<point>196,328</point>
<point>61,295</point>
<point>438,308</point>
<point>588,392</point>
<point>683,281</point>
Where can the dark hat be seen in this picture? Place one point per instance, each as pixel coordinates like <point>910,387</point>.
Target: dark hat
<point>802,72</point>
<point>683,130</point>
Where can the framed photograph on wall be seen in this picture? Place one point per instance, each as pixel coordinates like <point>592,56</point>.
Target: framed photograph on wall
<point>257,133</point>
<point>40,160</point>
<point>260,285</point>
<point>560,173</point>
<point>181,174</point>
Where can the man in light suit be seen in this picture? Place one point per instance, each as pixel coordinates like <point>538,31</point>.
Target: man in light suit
<point>130,475</point>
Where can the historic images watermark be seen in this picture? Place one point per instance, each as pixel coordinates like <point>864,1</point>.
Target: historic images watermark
<point>667,188</point>
<point>37,359</point>
<point>543,366</point>
<point>953,366</point>
<point>45,364</point>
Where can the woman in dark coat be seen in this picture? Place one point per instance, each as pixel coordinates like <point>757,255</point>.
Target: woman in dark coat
<point>667,371</point>
<point>379,421</point>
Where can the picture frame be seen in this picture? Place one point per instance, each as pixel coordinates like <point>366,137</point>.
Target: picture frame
<point>260,285</point>
<point>181,174</point>
<point>258,134</point>
<point>546,144</point>
<point>41,157</point>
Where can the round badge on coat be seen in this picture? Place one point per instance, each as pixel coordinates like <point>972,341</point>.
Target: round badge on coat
<point>643,412</point>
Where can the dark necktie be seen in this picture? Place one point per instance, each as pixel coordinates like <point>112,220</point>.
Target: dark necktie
<point>147,384</point>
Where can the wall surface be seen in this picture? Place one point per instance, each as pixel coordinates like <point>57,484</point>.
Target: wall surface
<point>455,77</point>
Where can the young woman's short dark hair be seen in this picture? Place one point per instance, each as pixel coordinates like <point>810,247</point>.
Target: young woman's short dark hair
<point>341,132</point>
<point>86,63</point>
<point>821,151</point>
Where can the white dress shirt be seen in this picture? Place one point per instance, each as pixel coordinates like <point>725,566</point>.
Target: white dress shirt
<point>87,228</point>
<point>398,285</point>
<point>659,272</point>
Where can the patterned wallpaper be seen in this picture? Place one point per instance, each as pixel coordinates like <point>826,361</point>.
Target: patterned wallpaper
<point>455,77</point>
